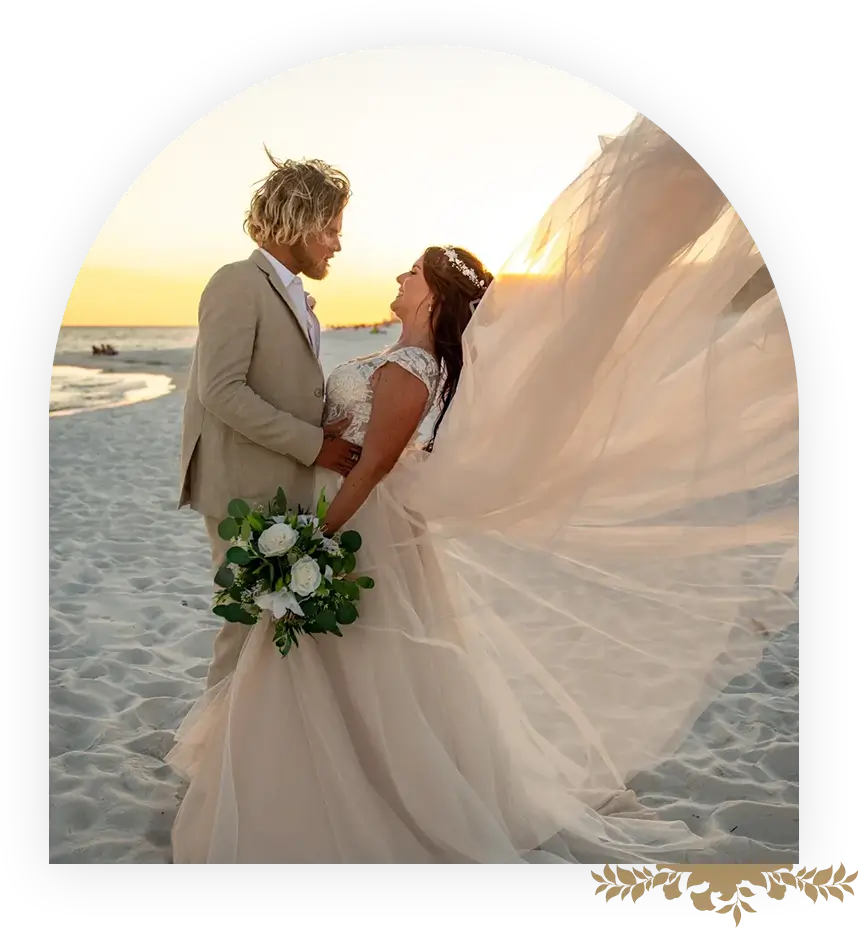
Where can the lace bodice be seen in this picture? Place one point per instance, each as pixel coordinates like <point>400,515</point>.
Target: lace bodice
<point>349,389</point>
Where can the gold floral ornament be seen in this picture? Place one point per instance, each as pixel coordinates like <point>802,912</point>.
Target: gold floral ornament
<point>724,881</point>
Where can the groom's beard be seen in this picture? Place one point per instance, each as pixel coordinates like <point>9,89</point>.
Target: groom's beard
<point>314,269</point>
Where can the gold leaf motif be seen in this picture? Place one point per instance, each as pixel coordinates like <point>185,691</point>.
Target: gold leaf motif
<point>778,890</point>
<point>724,881</point>
<point>626,876</point>
<point>823,876</point>
<point>703,901</point>
<point>811,890</point>
<point>672,890</point>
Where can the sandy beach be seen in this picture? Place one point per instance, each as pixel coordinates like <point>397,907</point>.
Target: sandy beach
<point>131,634</point>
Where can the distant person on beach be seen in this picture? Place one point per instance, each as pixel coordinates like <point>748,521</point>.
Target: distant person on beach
<point>256,394</point>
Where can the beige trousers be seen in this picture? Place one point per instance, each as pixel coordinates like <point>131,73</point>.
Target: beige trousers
<point>230,639</point>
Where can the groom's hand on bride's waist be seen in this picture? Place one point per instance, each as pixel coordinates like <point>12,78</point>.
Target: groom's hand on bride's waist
<point>336,453</point>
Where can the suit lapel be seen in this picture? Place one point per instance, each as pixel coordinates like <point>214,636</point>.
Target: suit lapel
<point>274,279</point>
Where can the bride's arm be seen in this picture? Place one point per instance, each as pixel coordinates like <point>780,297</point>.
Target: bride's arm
<point>399,399</point>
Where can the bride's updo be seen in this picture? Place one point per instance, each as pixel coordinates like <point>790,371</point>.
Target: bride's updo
<point>458,280</point>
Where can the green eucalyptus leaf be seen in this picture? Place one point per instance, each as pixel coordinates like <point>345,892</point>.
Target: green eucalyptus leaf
<point>238,509</point>
<point>228,529</point>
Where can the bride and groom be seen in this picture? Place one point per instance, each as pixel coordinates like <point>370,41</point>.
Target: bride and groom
<point>471,715</point>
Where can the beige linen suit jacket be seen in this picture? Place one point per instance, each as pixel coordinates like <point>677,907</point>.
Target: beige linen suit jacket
<point>255,397</point>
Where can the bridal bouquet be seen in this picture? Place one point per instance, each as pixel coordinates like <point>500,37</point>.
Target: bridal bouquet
<point>281,561</point>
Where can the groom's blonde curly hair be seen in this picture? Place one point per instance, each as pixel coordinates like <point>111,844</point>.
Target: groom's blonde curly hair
<point>296,200</point>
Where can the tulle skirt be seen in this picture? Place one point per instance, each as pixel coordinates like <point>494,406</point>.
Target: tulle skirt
<point>402,742</point>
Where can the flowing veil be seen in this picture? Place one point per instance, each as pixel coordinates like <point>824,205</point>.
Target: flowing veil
<point>614,486</point>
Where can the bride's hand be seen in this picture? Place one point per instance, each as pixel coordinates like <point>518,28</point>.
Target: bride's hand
<point>336,453</point>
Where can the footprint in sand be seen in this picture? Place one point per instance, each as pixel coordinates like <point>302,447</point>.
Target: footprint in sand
<point>745,819</point>
<point>72,608</point>
<point>76,589</point>
<point>74,815</point>
<point>141,583</point>
<point>67,702</point>
<point>57,639</point>
<point>198,671</point>
<point>73,733</point>
<point>136,656</point>
<point>781,760</point>
<point>161,712</point>
<point>91,669</point>
<point>154,744</point>
<point>89,575</point>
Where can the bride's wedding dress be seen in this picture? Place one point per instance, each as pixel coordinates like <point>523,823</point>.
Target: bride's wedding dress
<point>600,539</point>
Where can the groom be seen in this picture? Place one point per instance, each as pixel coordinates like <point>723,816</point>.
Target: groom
<point>256,393</point>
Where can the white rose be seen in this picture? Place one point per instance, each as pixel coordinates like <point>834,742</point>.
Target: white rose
<point>279,603</point>
<point>277,539</point>
<point>306,577</point>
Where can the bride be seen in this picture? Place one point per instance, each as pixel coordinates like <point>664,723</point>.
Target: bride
<point>596,538</point>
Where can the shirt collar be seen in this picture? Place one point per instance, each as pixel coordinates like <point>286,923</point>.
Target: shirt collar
<point>283,272</point>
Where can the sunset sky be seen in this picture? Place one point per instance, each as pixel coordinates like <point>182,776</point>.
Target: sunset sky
<point>441,145</point>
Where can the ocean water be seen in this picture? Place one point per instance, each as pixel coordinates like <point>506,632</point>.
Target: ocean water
<point>79,340</point>
<point>147,357</point>
<point>77,389</point>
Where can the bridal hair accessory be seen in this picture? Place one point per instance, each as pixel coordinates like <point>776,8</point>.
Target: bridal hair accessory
<point>462,268</point>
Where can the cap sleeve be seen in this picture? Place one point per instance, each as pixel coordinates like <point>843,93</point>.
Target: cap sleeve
<point>417,362</point>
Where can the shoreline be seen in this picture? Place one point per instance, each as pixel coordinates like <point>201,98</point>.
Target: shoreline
<point>151,376</point>
<point>123,365</point>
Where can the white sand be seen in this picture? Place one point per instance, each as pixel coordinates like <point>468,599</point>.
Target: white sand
<point>131,635</point>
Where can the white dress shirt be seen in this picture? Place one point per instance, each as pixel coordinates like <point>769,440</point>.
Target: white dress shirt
<point>296,291</point>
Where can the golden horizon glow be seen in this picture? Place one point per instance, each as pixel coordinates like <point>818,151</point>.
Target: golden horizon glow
<point>155,298</point>
<point>442,146</point>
